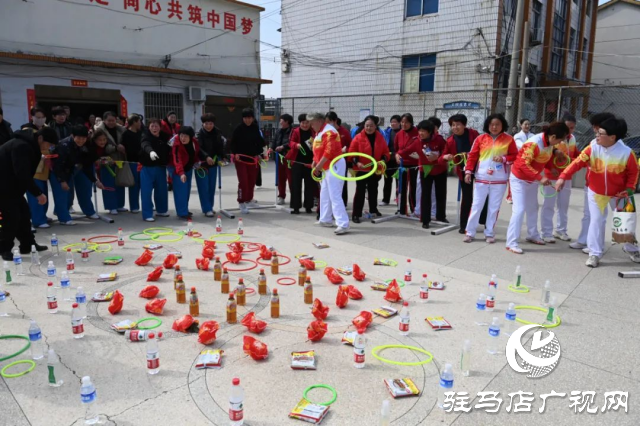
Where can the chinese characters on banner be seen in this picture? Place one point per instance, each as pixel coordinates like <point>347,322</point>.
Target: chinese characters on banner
<point>176,11</point>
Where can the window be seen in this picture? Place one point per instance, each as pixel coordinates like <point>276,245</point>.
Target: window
<point>572,52</point>
<point>559,22</point>
<point>421,7</point>
<point>537,19</point>
<point>418,73</point>
<point>158,104</point>
<point>589,7</point>
<point>585,49</point>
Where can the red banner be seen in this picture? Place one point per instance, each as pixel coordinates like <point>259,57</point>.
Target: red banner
<point>31,101</point>
<point>123,106</point>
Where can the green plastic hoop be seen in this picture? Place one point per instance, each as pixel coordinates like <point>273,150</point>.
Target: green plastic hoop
<point>401,283</point>
<point>565,165</point>
<point>156,325</point>
<point>333,391</point>
<point>553,194</point>
<point>178,237</point>
<point>22,373</point>
<point>146,237</point>
<point>152,231</point>
<point>15,336</point>
<point>377,349</point>
<point>537,308</point>
<point>354,154</point>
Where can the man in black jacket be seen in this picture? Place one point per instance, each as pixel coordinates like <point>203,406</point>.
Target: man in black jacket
<point>60,123</point>
<point>19,159</point>
<point>212,148</point>
<point>5,129</point>
<point>131,141</point>
<point>280,145</point>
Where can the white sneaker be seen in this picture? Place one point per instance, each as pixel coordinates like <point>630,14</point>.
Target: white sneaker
<point>537,242</point>
<point>586,250</point>
<point>94,216</point>
<point>576,245</point>
<point>162,214</point>
<point>593,262</point>
<point>340,230</point>
<point>280,201</point>
<point>382,203</point>
<point>243,208</point>
<point>135,211</point>
<point>210,214</point>
<point>549,240</point>
<point>633,255</point>
<point>68,223</point>
<point>113,212</point>
<point>72,210</point>
<point>324,224</point>
<point>516,250</point>
<point>123,210</point>
<point>44,226</point>
<point>150,219</point>
<point>254,203</point>
<point>561,236</point>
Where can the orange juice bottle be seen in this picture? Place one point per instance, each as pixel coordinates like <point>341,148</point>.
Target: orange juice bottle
<point>308,291</point>
<point>262,283</point>
<point>302,275</point>
<point>217,270</point>
<point>194,304</point>
<point>241,293</point>
<point>275,265</point>
<point>181,293</point>
<point>275,304</point>
<point>232,314</point>
<point>224,282</point>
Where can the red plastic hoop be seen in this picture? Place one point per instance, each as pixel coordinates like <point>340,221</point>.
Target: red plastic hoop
<point>253,162</point>
<point>279,255</point>
<point>114,240</point>
<point>293,280</point>
<point>255,265</point>
<point>249,291</point>
<point>248,247</point>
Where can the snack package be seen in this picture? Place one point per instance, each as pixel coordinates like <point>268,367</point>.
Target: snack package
<point>349,337</point>
<point>155,274</point>
<point>144,258</point>
<point>345,270</point>
<point>393,292</point>
<point>343,297</point>
<point>209,358</point>
<point>104,278</point>
<point>358,273</point>
<point>202,264</point>
<point>333,275</point>
<point>439,323</point>
<point>112,260</point>
<point>382,262</point>
<point>316,330</point>
<point>318,310</point>
<point>379,286</point>
<point>208,252</point>
<point>170,261</point>
<point>303,360</point>
<point>399,388</point>
<point>254,325</point>
<point>102,296</point>
<point>255,348</point>
<point>155,306</point>
<point>385,311</point>
<point>265,253</point>
<point>123,326</point>
<point>152,246</point>
<point>186,324</point>
<point>321,245</point>
<point>303,256</point>
<point>233,257</point>
<point>236,247</point>
<point>207,332</point>
<point>308,264</point>
<point>309,412</point>
<point>436,285</point>
<point>354,293</point>
<point>149,292</point>
<point>177,254</point>
<point>363,320</point>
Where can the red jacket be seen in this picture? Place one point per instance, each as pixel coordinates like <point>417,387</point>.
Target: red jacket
<point>532,158</point>
<point>164,126</point>
<point>345,137</point>
<point>404,144</point>
<point>326,144</point>
<point>360,143</point>
<point>452,148</point>
<point>437,144</point>
<point>294,143</point>
<point>180,157</point>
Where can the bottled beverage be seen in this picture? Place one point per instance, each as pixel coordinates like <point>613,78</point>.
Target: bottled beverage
<point>494,335</point>
<point>240,227</point>
<point>189,228</point>
<point>181,292</point>
<point>153,355</point>
<point>120,238</point>
<point>446,384</point>
<point>518,276</point>
<point>35,259</point>
<point>404,319</point>
<point>465,358</point>
<point>218,225</point>
<point>407,272</point>
<point>51,270</point>
<point>241,293</point>
<point>55,248</point>
<point>236,401</point>
<point>424,289</point>
<point>302,275</point>
<point>552,311</point>
<point>77,324</point>
<point>35,337</point>
<point>81,300</point>
<point>194,304</point>
<point>17,262</point>
<point>137,335</point>
<point>546,294</point>
<point>3,299</point>
<point>308,291</point>
<point>481,310</point>
<point>510,320</point>
<point>52,363</point>
<point>71,265</point>
<point>88,397</point>
<point>7,272</point>
<point>358,350</point>
<point>52,300</point>
<point>65,286</point>
<point>275,264</point>
<point>217,270</point>
<point>275,304</point>
<point>385,413</point>
<point>177,275</point>
<point>84,253</point>
<point>491,296</point>
<point>232,314</point>
<point>262,283</point>
<point>224,282</point>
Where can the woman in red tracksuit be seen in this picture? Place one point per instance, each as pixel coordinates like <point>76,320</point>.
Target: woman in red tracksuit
<point>371,142</point>
<point>406,146</point>
<point>185,152</point>
<point>432,171</point>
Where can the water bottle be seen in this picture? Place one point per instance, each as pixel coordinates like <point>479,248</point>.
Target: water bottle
<point>424,289</point>
<point>51,271</point>
<point>240,227</point>
<point>494,335</point>
<point>120,238</point>
<point>35,337</point>
<point>17,262</point>
<point>88,398</point>
<point>446,384</point>
<point>77,325</point>
<point>52,300</point>
<point>3,298</point>
<point>546,294</point>
<point>52,363</point>
<point>218,225</point>
<point>7,272</point>
<point>85,250</point>
<point>491,297</point>
<point>71,264</point>
<point>385,413</point>
<point>358,350</point>
<point>407,272</point>
<point>481,310</point>
<point>153,355</point>
<point>518,277</point>
<point>55,248</point>
<point>552,311</point>
<point>404,319</point>
<point>81,300</point>
<point>465,358</point>
<point>189,228</point>
<point>65,286</point>
<point>35,259</point>
<point>510,320</point>
<point>236,400</point>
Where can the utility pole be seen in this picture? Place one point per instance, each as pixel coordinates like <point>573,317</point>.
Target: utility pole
<point>515,60</point>
<point>523,70</point>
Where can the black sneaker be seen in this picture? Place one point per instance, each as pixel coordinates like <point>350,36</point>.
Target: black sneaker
<point>461,231</point>
<point>28,250</point>
<point>308,210</point>
<point>425,226</point>
<point>442,220</point>
<point>355,219</point>
<point>7,255</point>
<point>295,211</point>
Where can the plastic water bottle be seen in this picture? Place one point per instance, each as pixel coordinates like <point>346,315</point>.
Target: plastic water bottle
<point>446,384</point>
<point>89,400</point>
<point>55,248</point>
<point>71,264</point>
<point>3,299</point>
<point>52,300</point>
<point>552,311</point>
<point>77,324</point>
<point>481,310</point>
<point>494,336</point>
<point>407,272</point>
<point>491,296</point>
<point>518,277</point>
<point>236,403</point>
<point>52,363</point>
<point>7,272</point>
<point>35,337</point>
<point>65,286</point>
<point>120,238</point>
<point>465,358</point>
<point>81,300</point>
<point>240,227</point>
<point>51,270</point>
<point>85,250</point>
<point>385,413</point>
<point>510,320</point>
<point>358,350</point>
<point>219,225</point>
<point>153,355</point>
<point>17,262</point>
<point>404,319</point>
<point>189,228</point>
<point>35,258</point>
<point>546,294</point>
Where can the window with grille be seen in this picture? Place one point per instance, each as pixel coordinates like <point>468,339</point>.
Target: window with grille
<point>158,105</point>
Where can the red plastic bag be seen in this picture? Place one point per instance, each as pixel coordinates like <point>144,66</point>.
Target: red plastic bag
<point>209,243</point>
<point>234,257</point>
<point>333,275</point>
<point>343,297</point>
<point>236,247</point>
<point>316,330</point>
<point>255,348</point>
<point>363,320</point>
<point>202,264</point>
<point>358,273</point>
<point>207,252</point>
<point>354,293</point>
<point>265,253</point>
<point>155,274</point>
<point>207,333</point>
<point>393,292</point>
<point>170,261</point>
<point>155,306</point>
<point>144,258</point>
<point>308,264</point>
<point>254,325</point>
<point>149,292</point>
<point>116,303</point>
<point>186,324</point>
<point>318,310</point>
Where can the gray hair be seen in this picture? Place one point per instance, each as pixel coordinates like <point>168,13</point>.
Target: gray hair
<point>315,116</point>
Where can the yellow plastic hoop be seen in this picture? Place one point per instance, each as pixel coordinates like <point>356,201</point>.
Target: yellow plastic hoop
<point>377,349</point>
<point>354,154</point>
<point>537,308</point>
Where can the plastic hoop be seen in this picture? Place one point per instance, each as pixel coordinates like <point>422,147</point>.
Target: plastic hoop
<point>22,373</point>
<point>400,282</point>
<point>235,237</point>
<point>253,162</point>
<point>377,349</point>
<point>520,289</point>
<point>148,238</point>
<point>263,163</point>
<point>317,178</point>
<point>156,325</point>
<point>249,247</point>
<point>90,246</point>
<point>255,265</point>
<point>333,391</point>
<point>151,231</point>
<point>269,263</point>
<point>249,291</point>
<point>15,336</point>
<point>320,263</point>
<point>565,165</point>
<point>354,154</point>
<point>553,194</point>
<point>293,281</point>
<point>201,173</point>
<point>98,250</point>
<point>537,308</point>
<point>170,240</point>
<point>113,240</point>
<point>462,160</point>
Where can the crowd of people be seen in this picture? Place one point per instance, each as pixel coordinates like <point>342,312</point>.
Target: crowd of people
<point>314,159</point>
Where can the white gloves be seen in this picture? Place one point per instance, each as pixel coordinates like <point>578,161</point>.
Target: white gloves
<point>153,156</point>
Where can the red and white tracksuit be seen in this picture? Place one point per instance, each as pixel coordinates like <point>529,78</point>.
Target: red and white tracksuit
<point>327,144</point>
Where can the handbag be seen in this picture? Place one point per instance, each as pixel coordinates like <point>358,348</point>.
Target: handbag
<point>624,221</point>
<point>124,176</point>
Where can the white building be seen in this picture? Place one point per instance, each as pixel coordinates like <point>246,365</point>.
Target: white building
<point>130,56</point>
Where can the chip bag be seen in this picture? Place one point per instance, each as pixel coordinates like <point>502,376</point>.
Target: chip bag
<point>254,325</point>
<point>207,332</point>
<point>186,324</point>
<point>308,264</point>
<point>363,320</point>
<point>234,257</point>
<point>236,247</point>
<point>144,258</point>
<point>393,292</point>
<point>343,297</point>
<point>155,306</point>
<point>255,348</point>
<point>207,252</point>
<point>209,243</point>
<point>116,303</point>
<point>155,274</point>
<point>202,264</point>
<point>170,261</point>
<point>333,275</point>
<point>316,330</point>
<point>358,273</point>
<point>318,310</point>
<point>354,293</point>
<point>149,292</point>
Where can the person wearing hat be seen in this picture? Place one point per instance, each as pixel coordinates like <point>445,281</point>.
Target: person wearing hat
<point>246,142</point>
<point>185,153</point>
<point>47,141</point>
<point>19,159</point>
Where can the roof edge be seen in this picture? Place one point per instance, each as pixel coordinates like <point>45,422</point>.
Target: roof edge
<point>612,2</point>
<point>249,5</point>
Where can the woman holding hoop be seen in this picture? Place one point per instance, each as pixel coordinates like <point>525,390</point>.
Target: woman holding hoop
<point>301,143</point>
<point>185,152</point>
<point>246,147</point>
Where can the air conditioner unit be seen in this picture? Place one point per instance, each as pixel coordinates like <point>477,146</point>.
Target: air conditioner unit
<point>197,93</point>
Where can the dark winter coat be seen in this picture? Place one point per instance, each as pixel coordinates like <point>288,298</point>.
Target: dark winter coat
<point>70,157</point>
<point>211,145</point>
<point>158,144</point>
<point>6,133</point>
<point>19,159</point>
